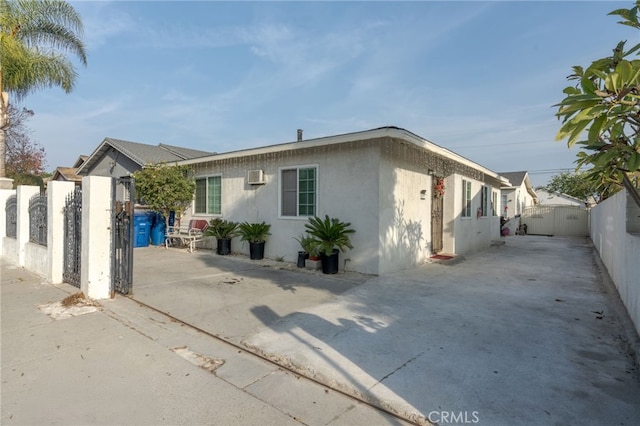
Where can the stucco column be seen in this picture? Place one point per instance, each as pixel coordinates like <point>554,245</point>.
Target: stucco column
<point>95,269</point>
<point>4,195</point>
<point>57,192</point>
<point>6,183</point>
<point>24,194</point>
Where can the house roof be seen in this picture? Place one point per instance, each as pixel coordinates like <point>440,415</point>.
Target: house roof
<point>141,153</point>
<point>388,131</point>
<point>81,159</point>
<point>67,173</point>
<point>561,195</point>
<point>516,178</point>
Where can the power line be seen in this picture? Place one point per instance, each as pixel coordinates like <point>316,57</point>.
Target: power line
<point>547,171</point>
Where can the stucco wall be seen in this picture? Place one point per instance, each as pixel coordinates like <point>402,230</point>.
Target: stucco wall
<point>405,219</point>
<point>473,233</point>
<point>36,259</point>
<point>10,249</point>
<point>347,189</point>
<point>619,249</point>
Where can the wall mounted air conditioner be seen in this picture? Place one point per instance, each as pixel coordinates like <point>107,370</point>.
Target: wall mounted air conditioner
<point>256,177</point>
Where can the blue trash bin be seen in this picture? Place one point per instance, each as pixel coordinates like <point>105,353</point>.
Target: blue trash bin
<point>141,229</point>
<point>158,230</point>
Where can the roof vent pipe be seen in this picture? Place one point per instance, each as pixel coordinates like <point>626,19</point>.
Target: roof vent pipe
<point>299,135</point>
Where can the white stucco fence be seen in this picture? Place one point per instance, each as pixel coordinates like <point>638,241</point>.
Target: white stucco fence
<point>615,232</point>
<point>47,261</point>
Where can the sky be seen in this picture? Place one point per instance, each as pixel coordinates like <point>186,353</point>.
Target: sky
<point>479,78</point>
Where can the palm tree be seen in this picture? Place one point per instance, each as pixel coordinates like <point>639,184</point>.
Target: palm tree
<point>35,35</point>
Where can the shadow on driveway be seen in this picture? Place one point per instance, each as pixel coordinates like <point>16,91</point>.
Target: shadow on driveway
<point>524,333</point>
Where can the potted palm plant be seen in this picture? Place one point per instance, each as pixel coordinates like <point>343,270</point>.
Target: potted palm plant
<point>256,234</point>
<point>224,231</point>
<point>308,249</point>
<point>330,236</point>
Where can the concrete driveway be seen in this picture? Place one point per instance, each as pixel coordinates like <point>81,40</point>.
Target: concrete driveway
<point>523,333</point>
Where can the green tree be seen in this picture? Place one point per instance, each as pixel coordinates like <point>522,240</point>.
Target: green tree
<point>165,188</point>
<point>601,113</point>
<point>575,185</point>
<point>23,156</point>
<point>34,39</point>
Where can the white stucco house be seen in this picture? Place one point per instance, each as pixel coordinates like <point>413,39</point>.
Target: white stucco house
<point>518,194</point>
<point>555,198</point>
<point>383,181</point>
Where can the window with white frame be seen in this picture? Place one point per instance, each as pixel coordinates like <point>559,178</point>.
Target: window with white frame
<point>503,203</point>
<point>494,203</point>
<point>298,188</point>
<point>209,195</point>
<point>484,201</point>
<point>466,198</point>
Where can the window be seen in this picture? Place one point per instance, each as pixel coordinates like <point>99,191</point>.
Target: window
<point>494,203</point>
<point>298,191</point>
<point>466,198</point>
<point>503,203</point>
<point>209,195</point>
<point>484,200</point>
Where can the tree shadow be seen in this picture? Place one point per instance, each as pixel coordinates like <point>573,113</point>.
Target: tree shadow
<point>348,349</point>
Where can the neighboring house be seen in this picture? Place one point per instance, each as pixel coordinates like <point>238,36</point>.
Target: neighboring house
<point>386,182</point>
<point>70,174</point>
<point>555,198</point>
<point>118,158</point>
<point>517,195</point>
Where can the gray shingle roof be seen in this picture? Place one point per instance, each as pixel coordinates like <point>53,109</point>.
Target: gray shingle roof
<point>141,153</point>
<point>516,178</point>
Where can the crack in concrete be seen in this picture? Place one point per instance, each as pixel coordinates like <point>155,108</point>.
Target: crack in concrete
<point>397,369</point>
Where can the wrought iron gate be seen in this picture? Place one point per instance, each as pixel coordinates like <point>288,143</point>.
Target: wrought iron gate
<point>72,238</point>
<point>123,194</point>
<point>437,206</point>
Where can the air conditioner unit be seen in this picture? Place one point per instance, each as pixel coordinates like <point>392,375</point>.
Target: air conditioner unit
<point>256,177</point>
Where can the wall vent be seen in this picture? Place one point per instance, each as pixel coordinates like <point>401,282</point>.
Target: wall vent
<point>256,177</point>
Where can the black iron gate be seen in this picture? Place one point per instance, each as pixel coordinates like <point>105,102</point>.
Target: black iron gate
<point>123,194</point>
<point>437,207</point>
<point>72,238</point>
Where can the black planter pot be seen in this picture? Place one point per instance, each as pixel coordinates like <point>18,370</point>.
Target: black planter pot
<point>302,257</point>
<point>256,250</point>
<point>330,262</point>
<point>224,246</point>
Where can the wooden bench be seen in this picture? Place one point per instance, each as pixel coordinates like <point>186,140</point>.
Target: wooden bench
<point>187,235</point>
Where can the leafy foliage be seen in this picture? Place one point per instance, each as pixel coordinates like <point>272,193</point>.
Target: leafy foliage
<point>23,155</point>
<point>27,179</point>
<point>165,188</point>
<point>222,229</point>
<point>575,185</point>
<point>308,244</point>
<point>601,113</point>
<point>35,37</point>
<point>254,232</point>
<point>328,234</point>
